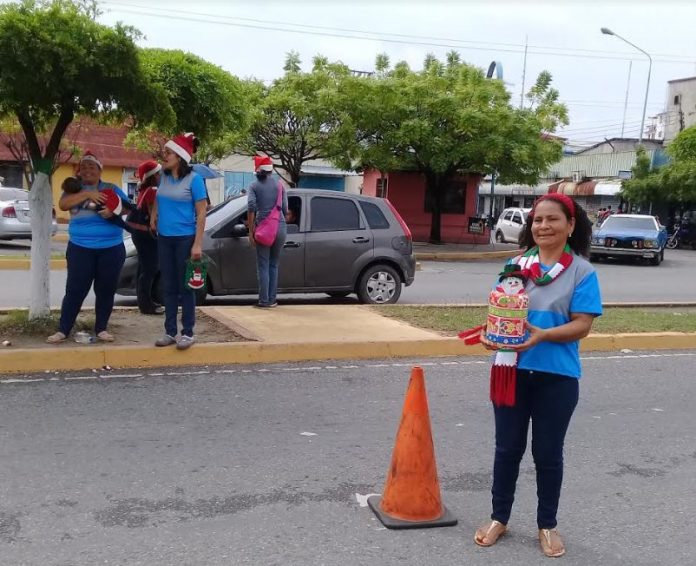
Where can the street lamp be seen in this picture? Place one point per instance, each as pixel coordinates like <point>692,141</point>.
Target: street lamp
<point>607,31</point>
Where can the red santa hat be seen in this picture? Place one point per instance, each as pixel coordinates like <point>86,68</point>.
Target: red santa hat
<point>263,163</point>
<point>113,201</point>
<point>89,156</point>
<point>183,146</point>
<point>147,169</point>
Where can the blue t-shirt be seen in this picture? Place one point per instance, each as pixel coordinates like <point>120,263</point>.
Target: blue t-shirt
<point>575,291</point>
<point>88,229</point>
<point>176,204</point>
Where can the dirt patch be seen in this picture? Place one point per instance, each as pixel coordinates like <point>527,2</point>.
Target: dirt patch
<point>129,327</point>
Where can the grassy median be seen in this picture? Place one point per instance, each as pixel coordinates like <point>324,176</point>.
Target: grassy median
<point>450,320</point>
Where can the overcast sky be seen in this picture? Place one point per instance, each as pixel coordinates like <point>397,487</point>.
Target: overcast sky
<point>590,69</point>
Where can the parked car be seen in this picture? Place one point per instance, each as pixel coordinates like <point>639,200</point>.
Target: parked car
<point>510,225</point>
<point>337,244</point>
<point>15,216</point>
<point>630,235</point>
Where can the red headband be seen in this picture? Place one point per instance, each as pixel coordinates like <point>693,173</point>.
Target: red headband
<point>565,200</point>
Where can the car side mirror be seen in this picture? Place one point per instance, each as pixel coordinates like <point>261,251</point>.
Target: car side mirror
<point>239,231</point>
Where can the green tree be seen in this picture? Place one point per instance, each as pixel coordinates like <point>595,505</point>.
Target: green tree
<point>673,184</point>
<point>299,117</point>
<point>448,119</point>
<point>200,98</point>
<point>57,62</point>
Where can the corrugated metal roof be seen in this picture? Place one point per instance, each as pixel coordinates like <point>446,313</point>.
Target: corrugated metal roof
<point>326,171</point>
<point>598,164</point>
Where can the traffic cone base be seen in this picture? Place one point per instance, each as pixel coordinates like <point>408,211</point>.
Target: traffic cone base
<point>446,520</point>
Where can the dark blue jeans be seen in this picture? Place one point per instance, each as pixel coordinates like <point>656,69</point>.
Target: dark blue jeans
<point>146,245</point>
<point>548,400</point>
<point>174,253</point>
<point>85,267</point>
<point>267,259</point>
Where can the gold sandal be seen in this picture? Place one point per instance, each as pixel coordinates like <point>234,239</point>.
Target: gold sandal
<point>551,543</point>
<point>491,531</point>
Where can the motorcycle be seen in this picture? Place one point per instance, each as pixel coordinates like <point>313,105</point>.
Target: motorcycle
<point>684,234</point>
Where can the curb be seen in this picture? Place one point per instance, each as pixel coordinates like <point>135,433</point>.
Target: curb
<point>464,256</point>
<point>25,263</point>
<point>89,357</point>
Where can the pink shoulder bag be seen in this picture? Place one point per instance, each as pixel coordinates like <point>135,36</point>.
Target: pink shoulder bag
<point>266,231</point>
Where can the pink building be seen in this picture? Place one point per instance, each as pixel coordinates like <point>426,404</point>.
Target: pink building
<point>406,191</point>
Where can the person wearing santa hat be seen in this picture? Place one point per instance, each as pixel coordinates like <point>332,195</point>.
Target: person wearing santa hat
<point>148,173</point>
<point>263,196</point>
<point>178,217</point>
<point>95,252</point>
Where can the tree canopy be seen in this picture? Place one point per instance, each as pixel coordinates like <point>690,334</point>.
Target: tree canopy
<point>298,117</point>
<point>448,119</point>
<point>675,183</point>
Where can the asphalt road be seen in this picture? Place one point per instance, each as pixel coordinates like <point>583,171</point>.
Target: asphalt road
<point>261,465</point>
<point>450,282</point>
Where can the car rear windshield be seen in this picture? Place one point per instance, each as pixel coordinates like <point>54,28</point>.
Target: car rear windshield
<point>617,223</point>
<point>7,193</point>
<point>375,218</point>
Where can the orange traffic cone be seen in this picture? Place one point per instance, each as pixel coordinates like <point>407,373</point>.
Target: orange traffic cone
<point>411,497</point>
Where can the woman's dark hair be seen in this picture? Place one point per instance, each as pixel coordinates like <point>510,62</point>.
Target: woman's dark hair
<point>579,240</point>
<point>151,181</point>
<point>262,175</point>
<point>184,168</point>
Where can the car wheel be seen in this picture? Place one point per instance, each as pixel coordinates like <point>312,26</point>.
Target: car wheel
<point>499,237</point>
<point>656,260</point>
<point>338,294</point>
<point>379,285</point>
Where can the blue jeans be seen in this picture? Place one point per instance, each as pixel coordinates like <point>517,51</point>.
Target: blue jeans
<point>549,401</point>
<point>267,259</point>
<point>86,266</point>
<point>174,253</point>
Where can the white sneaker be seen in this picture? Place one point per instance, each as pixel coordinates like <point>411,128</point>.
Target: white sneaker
<point>185,342</point>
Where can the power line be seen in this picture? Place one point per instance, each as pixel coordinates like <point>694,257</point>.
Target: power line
<point>408,36</point>
<point>376,37</point>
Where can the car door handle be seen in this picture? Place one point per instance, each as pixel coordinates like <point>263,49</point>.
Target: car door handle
<point>292,245</point>
<point>360,240</point>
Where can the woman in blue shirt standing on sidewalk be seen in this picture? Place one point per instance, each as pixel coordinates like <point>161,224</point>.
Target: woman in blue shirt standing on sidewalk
<point>95,251</point>
<point>263,196</point>
<point>179,219</point>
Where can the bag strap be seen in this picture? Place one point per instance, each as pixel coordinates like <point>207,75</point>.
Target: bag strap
<point>279,199</point>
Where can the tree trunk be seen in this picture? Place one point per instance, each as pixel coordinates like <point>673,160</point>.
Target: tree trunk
<point>41,206</point>
<point>434,187</point>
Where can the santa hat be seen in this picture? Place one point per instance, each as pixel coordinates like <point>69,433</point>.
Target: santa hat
<point>113,201</point>
<point>147,169</point>
<point>263,163</point>
<point>89,156</point>
<point>183,146</point>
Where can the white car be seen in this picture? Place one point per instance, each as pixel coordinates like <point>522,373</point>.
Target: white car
<point>510,225</point>
<point>15,216</point>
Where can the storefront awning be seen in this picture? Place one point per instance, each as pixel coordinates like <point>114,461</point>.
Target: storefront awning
<point>586,188</point>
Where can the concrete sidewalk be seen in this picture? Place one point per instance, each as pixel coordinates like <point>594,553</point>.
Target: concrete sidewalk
<point>299,333</point>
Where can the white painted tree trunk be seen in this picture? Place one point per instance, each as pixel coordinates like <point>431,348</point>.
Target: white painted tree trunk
<point>41,205</point>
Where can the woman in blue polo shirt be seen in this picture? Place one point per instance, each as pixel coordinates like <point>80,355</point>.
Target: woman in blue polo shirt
<point>179,219</point>
<point>564,299</point>
<point>95,252</point>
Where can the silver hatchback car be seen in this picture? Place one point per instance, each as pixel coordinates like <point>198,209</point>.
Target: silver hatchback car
<point>15,216</point>
<point>337,243</point>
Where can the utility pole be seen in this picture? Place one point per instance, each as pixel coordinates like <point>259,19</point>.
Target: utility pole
<point>628,85</point>
<point>524,70</point>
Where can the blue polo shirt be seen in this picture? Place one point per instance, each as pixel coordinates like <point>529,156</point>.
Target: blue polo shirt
<point>176,204</point>
<point>88,229</point>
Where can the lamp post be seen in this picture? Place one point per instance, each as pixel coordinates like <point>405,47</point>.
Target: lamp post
<point>607,31</point>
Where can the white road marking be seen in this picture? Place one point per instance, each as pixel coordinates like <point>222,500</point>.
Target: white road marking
<point>95,376</point>
<point>308,434</point>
